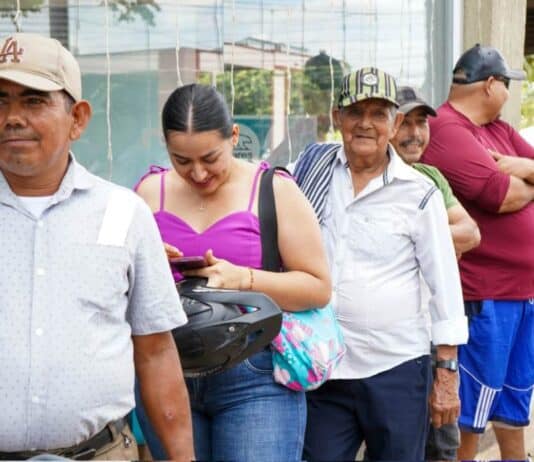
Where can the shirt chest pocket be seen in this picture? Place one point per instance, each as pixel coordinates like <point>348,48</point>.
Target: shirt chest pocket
<point>101,277</point>
<point>378,237</point>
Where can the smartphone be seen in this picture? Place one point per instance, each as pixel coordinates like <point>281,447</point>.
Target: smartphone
<point>188,263</point>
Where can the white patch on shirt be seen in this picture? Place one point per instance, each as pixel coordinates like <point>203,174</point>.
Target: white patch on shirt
<point>117,219</point>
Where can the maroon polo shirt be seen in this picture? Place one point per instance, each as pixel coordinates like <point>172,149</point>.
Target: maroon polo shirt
<point>502,267</point>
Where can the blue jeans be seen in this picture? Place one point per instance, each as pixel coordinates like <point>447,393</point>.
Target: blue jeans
<point>241,415</point>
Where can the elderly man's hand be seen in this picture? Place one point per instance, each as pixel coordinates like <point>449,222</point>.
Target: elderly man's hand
<point>444,400</point>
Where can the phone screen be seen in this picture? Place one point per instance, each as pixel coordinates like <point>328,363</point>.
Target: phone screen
<point>188,263</point>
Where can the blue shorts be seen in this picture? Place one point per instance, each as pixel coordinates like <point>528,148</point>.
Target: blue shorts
<point>497,365</point>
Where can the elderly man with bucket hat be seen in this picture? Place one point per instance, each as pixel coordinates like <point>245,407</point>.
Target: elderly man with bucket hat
<point>86,294</point>
<point>490,168</point>
<point>384,225</point>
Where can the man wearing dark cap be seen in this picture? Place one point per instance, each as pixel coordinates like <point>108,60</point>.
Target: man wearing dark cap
<point>382,225</point>
<point>86,296</point>
<point>491,171</point>
<point>411,140</point>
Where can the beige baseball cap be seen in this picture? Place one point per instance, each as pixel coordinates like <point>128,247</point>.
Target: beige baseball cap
<point>41,63</point>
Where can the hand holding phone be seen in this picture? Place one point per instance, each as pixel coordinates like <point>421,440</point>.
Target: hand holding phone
<point>188,263</point>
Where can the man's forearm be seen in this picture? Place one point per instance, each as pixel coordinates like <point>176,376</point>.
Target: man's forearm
<point>520,194</point>
<point>445,352</point>
<point>172,423</point>
<point>465,233</point>
<point>444,400</point>
<point>527,170</point>
<point>166,401</point>
<point>529,177</point>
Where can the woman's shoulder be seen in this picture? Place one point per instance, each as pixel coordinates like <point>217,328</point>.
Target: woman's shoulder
<point>284,185</point>
<point>149,185</point>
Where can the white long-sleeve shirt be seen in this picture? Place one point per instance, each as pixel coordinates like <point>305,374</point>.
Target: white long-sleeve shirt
<point>378,243</point>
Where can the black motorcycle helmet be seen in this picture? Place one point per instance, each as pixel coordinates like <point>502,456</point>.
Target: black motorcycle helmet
<point>224,326</point>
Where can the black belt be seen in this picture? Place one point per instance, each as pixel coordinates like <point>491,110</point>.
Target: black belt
<point>86,450</point>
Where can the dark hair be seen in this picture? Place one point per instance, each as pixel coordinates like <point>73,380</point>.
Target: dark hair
<point>196,108</point>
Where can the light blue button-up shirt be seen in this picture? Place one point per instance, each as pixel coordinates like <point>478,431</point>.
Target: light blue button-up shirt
<point>70,300</point>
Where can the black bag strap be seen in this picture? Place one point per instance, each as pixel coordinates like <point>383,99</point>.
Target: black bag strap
<point>271,260</point>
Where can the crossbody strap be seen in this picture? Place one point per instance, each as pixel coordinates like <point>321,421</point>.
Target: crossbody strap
<point>271,260</point>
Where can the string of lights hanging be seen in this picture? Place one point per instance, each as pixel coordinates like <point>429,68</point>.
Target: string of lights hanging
<point>232,87</point>
<point>220,42</point>
<point>77,30</point>
<point>288,101</point>
<point>410,40</point>
<point>401,72</point>
<point>108,92</point>
<point>331,68</point>
<point>431,57</point>
<point>16,18</point>
<point>179,81</point>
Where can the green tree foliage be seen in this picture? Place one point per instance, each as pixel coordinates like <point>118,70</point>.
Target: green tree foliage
<point>253,90</point>
<point>310,90</point>
<point>527,94</point>
<point>8,8</point>
<point>129,9</point>
<point>317,88</point>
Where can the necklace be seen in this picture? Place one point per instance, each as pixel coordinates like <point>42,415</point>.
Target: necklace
<point>202,207</point>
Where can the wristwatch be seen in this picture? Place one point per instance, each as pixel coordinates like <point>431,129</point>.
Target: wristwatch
<point>450,364</point>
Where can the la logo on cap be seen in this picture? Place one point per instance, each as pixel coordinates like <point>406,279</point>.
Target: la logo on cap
<point>11,49</point>
<point>370,79</point>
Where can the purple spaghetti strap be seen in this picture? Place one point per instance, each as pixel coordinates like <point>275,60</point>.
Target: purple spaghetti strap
<point>151,171</point>
<point>262,167</point>
<point>162,190</point>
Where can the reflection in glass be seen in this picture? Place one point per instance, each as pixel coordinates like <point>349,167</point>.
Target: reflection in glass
<point>287,58</point>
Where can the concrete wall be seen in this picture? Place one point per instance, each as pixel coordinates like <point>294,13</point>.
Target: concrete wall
<point>500,23</point>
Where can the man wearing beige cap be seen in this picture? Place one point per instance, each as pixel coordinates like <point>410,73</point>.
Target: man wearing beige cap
<point>85,290</point>
<point>383,226</point>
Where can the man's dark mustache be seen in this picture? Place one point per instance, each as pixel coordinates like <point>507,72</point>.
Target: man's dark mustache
<point>413,140</point>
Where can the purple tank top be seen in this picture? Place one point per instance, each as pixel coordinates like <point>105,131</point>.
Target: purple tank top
<point>234,237</point>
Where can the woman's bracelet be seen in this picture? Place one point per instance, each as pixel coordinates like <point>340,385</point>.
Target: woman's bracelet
<point>251,273</point>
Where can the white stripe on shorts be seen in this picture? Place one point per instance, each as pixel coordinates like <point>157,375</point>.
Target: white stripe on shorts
<point>485,400</point>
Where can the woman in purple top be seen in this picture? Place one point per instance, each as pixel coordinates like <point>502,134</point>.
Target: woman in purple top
<point>207,204</point>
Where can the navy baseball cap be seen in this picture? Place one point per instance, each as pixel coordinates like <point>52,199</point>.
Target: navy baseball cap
<point>481,62</point>
<point>410,98</point>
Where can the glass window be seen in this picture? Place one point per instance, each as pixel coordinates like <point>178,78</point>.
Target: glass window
<point>278,63</point>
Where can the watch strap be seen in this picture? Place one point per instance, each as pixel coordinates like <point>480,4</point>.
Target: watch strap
<point>450,364</point>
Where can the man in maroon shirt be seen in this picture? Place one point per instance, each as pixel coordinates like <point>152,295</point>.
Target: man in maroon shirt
<point>491,171</point>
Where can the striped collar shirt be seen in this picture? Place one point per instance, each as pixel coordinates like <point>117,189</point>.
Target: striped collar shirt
<point>75,285</point>
<point>379,242</point>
